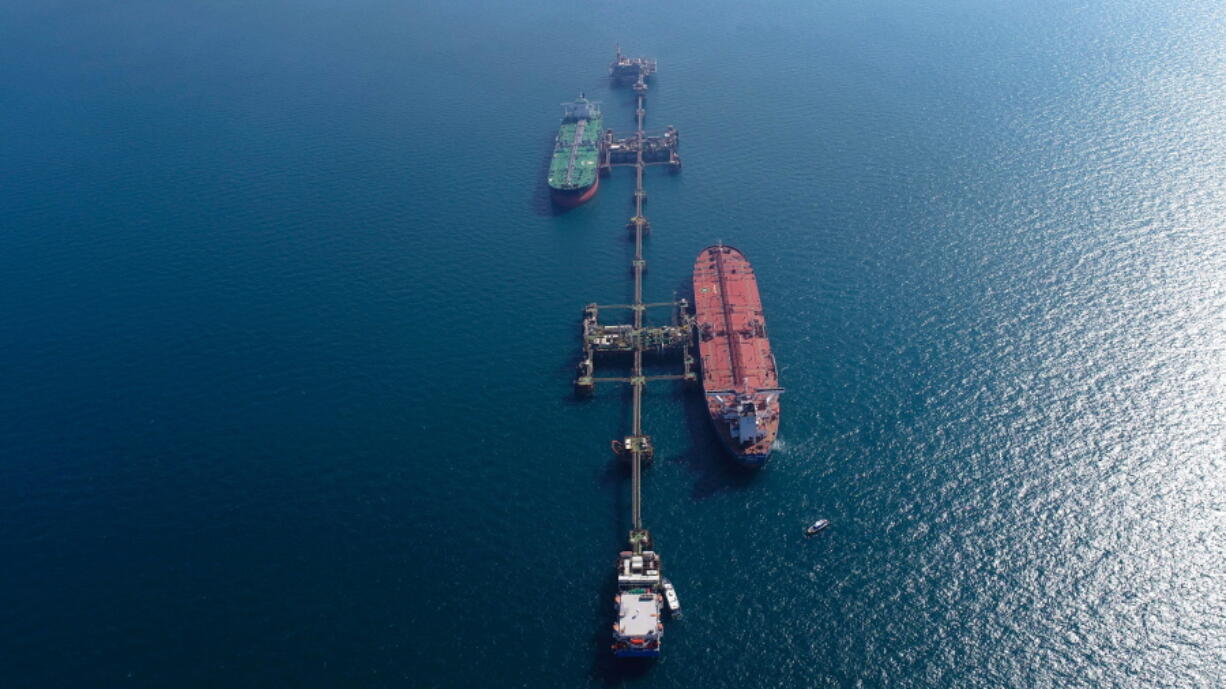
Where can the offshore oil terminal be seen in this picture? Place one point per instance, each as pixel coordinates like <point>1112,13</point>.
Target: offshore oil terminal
<point>729,328</point>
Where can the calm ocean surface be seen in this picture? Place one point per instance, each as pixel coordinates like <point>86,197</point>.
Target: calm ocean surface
<point>287,332</point>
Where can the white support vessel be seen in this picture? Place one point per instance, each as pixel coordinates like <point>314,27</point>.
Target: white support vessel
<point>670,597</point>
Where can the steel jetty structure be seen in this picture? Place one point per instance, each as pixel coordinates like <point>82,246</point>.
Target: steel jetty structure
<point>739,375</point>
<point>636,70</point>
<point>574,168</point>
<point>638,630</point>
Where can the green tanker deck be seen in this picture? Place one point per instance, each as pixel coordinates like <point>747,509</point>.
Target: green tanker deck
<point>573,175</point>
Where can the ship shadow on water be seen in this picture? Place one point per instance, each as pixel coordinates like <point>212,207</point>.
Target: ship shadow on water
<point>610,670</point>
<point>542,204</point>
<point>713,467</point>
<point>607,668</point>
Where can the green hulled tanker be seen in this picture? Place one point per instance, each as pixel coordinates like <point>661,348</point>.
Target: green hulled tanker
<point>573,177</point>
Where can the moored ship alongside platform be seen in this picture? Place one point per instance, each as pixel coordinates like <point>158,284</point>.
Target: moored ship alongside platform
<point>638,629</point>
<point>573,178</point>
<point>739,375</point>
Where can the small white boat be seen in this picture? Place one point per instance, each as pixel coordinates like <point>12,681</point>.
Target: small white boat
<point>670,595</point>
<point>817,526</point>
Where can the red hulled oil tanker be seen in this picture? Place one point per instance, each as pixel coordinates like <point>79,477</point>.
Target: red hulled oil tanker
<point>739,375</point>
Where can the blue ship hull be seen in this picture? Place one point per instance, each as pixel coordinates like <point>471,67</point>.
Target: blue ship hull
<point>750,461</point>
<point>637,653</point>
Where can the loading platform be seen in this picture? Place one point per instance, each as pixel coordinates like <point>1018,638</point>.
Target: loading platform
<point>613,343</point>
<point>660,149</point>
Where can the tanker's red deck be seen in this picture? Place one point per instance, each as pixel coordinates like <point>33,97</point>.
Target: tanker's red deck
<point>732,341</point>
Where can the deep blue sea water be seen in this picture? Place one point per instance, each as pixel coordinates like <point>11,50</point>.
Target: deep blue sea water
<point>287,331</point>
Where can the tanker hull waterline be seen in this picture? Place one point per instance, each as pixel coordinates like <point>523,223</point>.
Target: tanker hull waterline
<point>739,375</point>
<point>574,198</point>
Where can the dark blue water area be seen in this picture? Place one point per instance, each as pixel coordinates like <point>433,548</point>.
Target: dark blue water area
<point>288,329</point>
